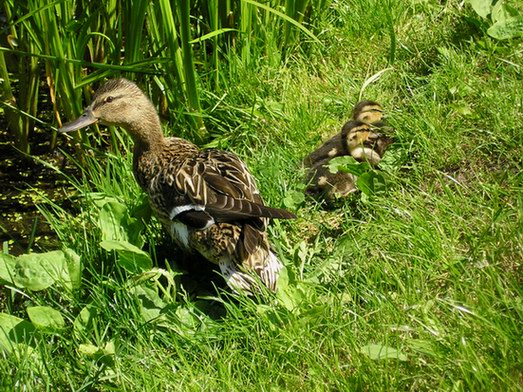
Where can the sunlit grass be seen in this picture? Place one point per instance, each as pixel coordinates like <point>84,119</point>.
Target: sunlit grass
<point>431,268</point>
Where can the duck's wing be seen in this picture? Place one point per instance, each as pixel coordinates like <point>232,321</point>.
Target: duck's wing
<point>214,186</point>
<point>331,148</point>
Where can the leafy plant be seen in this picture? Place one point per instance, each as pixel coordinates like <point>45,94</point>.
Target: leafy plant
<point>39,271</point>
<point>76,44</point>
<point>506,17</point>
<point>370,181</point>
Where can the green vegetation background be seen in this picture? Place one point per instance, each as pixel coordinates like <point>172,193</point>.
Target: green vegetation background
<point>418,287</point>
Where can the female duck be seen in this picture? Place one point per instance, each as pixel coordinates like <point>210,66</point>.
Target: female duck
<point>207,199</point>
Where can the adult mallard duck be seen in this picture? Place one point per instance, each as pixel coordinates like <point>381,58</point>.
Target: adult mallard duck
<point>359,138</point>
<point>207,199</point>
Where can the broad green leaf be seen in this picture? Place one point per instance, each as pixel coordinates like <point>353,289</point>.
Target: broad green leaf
<point>283,279</point>
<point>46,318</point>
<point>7,267</point>
<point>348,164</point>
<point>506,29</point>
<point>293,199</point>
<point>151,304</point>
<point>131,258</point>
<point>182,319</point>
<point>421,346</point>
<point>393,160</point>
<point>110,219</point>
<point>371,182</point>
<point>116,223</point>
<point>103,354</point>
<point>482,7</point>
<point>378,351</point>
<point>14,330</point>
<point>84,322</point>
<point>74,266</point>
<point>287,298</point>
<point>499,12</point>
<point>38,271</point>
<point>32,271</point>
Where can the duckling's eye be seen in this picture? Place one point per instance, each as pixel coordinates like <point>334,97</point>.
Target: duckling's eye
<point>109,99</point>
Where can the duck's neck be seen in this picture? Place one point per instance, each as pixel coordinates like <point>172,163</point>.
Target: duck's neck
<point>147,134</point>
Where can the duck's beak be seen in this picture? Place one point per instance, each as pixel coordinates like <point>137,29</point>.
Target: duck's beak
<point>86,119</point>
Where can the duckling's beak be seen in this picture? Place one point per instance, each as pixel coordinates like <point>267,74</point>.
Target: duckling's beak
<point>87,118</point>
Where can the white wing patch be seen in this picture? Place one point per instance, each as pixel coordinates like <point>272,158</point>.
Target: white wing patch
<point>187,207</point>
<point>180,232</point>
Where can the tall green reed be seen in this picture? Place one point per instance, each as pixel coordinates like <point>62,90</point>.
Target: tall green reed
<point>176,49</point>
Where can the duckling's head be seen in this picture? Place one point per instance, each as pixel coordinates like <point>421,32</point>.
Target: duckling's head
<point>368,112</point>
<point>359,138</point>
<point>356,133</point>
<point>120,102</point>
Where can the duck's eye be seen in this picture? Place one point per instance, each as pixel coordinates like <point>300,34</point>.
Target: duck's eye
<point>109,99</point>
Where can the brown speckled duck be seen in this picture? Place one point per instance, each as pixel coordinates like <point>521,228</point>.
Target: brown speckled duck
<point>359,138</point>
<point>207,199</point>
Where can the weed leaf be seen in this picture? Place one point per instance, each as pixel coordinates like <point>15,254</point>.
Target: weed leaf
<point>14,330</point>
<point>74,266</point>
<point>84,322</point>
<point>150,302</point>
<point>378,351</point>
<point>482,7</point>
<point>130,257</point>
<point>34,271</point>
<point>103,354</point>
<point>293,199</point>
<point>506,29</point>
<point>371,182</point>
<point>46,318</point>
<point>347,164</point>
<point>7,267</point>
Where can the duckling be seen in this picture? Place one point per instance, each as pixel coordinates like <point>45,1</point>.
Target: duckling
<point>329,186</point>
<point>206,199</point>
<point>363,143</point>
<point>368,112</point>
<point>358,138</point>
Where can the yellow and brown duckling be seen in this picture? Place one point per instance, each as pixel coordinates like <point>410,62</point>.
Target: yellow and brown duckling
<point>364,112</point>
<point>363,142</point>
<point>207,199</point>
<point>360,138</point>
<point>329,186</point>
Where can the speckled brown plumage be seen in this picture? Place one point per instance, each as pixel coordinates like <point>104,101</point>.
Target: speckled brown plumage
<point>361,138</point>
<point>207,199</point>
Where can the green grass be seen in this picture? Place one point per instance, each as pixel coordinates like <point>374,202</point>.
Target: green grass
<point>431,268</point>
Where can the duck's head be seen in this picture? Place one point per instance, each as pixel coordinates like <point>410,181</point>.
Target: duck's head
<point>368,112</point>
<point>120,102</point>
